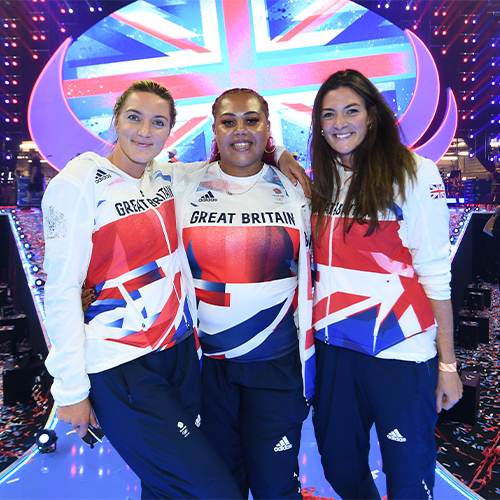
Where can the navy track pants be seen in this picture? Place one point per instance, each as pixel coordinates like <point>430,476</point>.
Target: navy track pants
<point>148,408</point>
<point>252,414</point>
<point>355,391</point>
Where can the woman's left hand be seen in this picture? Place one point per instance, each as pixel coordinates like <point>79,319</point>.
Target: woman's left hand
<point>449,390</point>
<point>294,171</point>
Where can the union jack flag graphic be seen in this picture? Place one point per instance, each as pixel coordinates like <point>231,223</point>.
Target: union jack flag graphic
<point>437,191</point>
<point>199,48</point>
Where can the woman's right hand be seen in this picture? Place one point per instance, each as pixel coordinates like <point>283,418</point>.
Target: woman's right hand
<point>88,296</point>
<point>79,416</point>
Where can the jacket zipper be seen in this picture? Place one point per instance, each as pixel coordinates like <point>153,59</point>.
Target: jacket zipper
<point>167,240</point>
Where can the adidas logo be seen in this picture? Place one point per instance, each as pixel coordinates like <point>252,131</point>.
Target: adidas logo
<point>183,429</point>
<point>395,435</point>
<point>100,176</point>
<point>283,444</point>
<point>207,197</point>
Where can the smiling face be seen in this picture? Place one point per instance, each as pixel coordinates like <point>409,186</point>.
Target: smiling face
<point>143,126</point>
<point>241,130</point>
<point>344,120</point>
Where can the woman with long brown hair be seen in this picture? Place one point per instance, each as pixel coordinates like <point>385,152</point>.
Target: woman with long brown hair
<point>382,312</point>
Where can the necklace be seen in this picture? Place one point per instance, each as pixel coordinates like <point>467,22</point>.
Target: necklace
<point>246,190</point>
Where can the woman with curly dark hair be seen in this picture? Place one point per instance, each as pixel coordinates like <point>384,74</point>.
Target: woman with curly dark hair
<point>382,311</point>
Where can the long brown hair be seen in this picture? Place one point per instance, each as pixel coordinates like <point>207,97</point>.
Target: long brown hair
<point>381,164</point>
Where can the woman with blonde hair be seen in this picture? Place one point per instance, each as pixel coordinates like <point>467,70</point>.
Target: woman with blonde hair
<point>130,364</point>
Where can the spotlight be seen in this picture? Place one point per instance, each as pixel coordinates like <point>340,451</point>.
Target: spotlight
<point>39,282</point>
<point>27,246</point>
<point>46,441</point>
<point>35,268</point>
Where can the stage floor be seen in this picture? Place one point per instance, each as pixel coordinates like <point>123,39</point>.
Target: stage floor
<point>77,472</point>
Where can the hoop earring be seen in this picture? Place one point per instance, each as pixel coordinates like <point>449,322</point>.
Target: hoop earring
<point>271,145</point>
<point>214,151</point>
